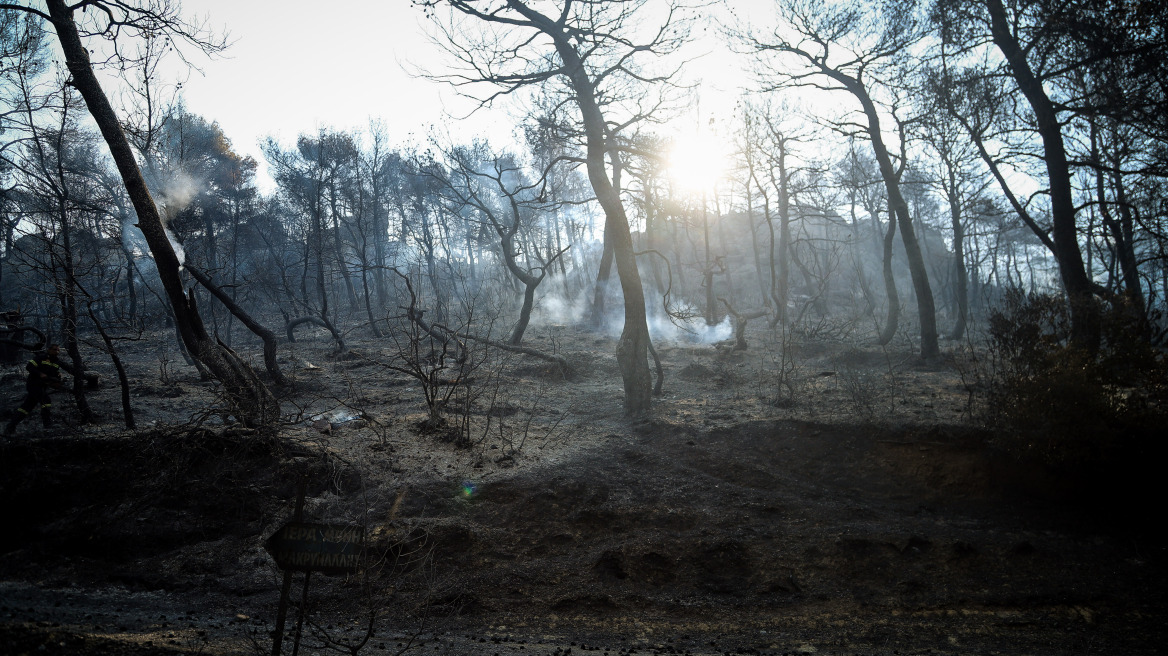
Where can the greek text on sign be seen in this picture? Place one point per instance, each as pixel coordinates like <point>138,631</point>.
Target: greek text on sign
<point>317,547</point>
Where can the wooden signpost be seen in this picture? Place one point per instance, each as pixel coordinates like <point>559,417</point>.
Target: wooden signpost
<point>306,547</point>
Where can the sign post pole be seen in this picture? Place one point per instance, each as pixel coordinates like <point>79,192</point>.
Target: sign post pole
<point>282,613</point>
<point>300,614</point>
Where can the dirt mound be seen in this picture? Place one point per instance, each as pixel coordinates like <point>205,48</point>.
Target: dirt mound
<point>735,528</point>
<point>695,371</point>
<point>122,505</point>
<point>765,536</point>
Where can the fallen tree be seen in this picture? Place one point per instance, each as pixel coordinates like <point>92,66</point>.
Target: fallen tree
<point>13,335</point>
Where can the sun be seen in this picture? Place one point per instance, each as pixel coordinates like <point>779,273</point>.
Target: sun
<point>697,162</point>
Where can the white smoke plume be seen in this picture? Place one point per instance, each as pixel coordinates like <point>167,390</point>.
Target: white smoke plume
<point>132,238</point>
<point>178,249</point>
<point>689,331</point>
<point>554,308</point>
<point>173,194</point>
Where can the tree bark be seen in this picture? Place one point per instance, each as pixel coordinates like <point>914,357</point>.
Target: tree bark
<point>123,379</point>
<point>892,322</point>
<point>632,349</point>
<point>321,286</point>
<point>926,308</point>
<point>1120,230</point>
<point>339,249</point>
<point>782,290</point>
<point>960,277</point>
<point>69,313</point>
<point>600,289</point>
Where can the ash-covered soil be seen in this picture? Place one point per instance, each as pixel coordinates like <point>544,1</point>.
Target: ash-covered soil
<point>836,501</point>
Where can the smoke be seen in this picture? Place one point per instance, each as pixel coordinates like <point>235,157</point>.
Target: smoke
<point>687,326</point>
<point>177,247</point>
<point>132,238</point>
<point>135,242</point>
<point>174,193</point>
<point>555,306</point>
<point>690,330</point>
<point>718,333</point>
<point>337,416</point>
<point>555,309</point>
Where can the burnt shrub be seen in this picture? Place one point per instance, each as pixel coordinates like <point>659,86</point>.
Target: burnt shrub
<point>1073,408</point>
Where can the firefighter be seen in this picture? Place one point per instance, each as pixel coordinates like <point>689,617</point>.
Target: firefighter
<point>44,373</point>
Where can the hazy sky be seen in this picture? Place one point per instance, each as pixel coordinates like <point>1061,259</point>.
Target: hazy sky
<point>297,65</point>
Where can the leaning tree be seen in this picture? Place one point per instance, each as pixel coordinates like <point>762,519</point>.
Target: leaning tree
<point>1031,80</point>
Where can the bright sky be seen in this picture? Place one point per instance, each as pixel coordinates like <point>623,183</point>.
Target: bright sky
<point>297,65</point>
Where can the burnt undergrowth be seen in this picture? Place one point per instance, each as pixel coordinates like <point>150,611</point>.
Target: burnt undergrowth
<point>124,501</point>
<point>1091,415</point>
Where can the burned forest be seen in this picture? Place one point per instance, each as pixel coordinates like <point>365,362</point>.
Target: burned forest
<point>675,327</point>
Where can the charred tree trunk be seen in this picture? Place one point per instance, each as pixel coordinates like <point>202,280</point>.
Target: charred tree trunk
<point>740,321</point>
<point>892,322</point>
<point>781,279</point>
<point>780,314</point>
<point>600,291</point>
<point>368,302</point>
<point>131,287</point>
<point>123,379</point>
<point>68,299</point>
<point>61,263</point>
<point>755,249</point>
<point>651,228</point>
<point>960,278</point>
<point>268,337</point>
<point>1120,230</point>
<point>9,229</point>
<point>899,211</point>
<point>898,208</point>
<point>530,281</point>
<point>432,266</point>
<point>960,281</point>
<point>632,350</point>
<point>712,317</point>
<point>339,253</point>
<point>321,286</point>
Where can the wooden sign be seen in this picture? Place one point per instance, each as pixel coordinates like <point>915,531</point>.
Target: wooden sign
<point>322,548</point>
